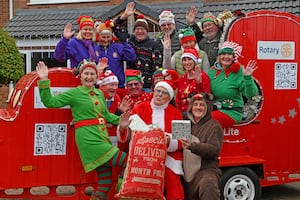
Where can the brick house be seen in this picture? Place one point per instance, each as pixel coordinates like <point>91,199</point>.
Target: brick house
<point>37,25</point>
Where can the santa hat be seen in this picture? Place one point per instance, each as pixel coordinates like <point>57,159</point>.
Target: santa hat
<point>186,34</point>
<point>132,74</point>
<point>168,85</point>
<point>231,48</point>
<point>172,75</point>
<point>85,64</point>
<point>105,27</point>
<point>209,17</point>
<point>85,20</point>
<point>141,22</point>
<point>192,53</point>
<point>106,77</point>
<point>166,16</point>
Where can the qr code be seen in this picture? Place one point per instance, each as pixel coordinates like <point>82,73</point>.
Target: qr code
<point>50,139</point>
<point>285,76</point>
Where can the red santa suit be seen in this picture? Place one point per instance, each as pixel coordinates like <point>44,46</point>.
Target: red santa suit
<point>162,117</point>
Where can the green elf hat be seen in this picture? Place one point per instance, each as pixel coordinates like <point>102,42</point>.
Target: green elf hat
<point>87,64</point>
<point>226,50</point>
<point>186,34</point>
<point>158,72</point>
<point>132,74</point>
<point>209,17</point>
<point>231,48</point>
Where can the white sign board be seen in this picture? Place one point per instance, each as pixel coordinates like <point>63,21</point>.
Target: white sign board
<point>285,76</point>
<point>275,50</point>
<point>50,139</point>
<point>54,91</point>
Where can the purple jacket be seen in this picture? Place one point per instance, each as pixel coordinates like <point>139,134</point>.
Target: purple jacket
<point>116,53</point>
<point>72,49</point>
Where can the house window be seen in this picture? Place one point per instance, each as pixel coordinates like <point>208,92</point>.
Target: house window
<point>61,1</point>
<point>31,58</point>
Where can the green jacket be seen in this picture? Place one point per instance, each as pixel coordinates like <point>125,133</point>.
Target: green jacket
<point>94,145</point>
<point>229,90</point>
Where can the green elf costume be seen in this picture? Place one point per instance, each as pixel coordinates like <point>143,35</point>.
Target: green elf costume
<point>90,115</point>
<point>229,86</point>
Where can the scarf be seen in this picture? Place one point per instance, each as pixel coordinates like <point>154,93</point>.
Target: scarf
<point>89,45</point>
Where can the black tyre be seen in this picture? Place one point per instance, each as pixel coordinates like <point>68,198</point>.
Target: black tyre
<point>239,183</point>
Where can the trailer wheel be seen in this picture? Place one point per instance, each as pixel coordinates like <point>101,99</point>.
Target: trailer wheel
<point>239,184</point>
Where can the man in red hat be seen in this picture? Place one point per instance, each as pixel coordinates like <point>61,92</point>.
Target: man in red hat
<point>160,113</point>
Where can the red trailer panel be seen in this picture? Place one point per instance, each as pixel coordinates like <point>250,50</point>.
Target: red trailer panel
<point>37,145</point>
<point>267,144</point>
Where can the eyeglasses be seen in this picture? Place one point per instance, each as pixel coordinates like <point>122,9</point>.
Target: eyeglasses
<point>158,91</point>
<point>133,84</point>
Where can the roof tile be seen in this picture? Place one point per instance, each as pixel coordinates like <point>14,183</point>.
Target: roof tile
<point>45,22</point>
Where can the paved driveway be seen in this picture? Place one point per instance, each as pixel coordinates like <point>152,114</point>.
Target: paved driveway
<point>290,191</point>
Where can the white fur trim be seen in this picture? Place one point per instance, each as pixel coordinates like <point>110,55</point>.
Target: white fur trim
<point>167,87</point>
<point>174,165</point>
<point>142,20</point>
<point>109,79</point>
<point>105,31</point>
<point>167,20</point>
<point>173,146</point>
<point>189,55</point>
<point>123,139</point>
<point>158,117</point>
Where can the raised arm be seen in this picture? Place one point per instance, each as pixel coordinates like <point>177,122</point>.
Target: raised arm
<point>42,70</point>
<point>128,11</point>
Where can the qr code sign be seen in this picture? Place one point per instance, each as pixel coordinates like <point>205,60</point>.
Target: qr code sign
<point>285,76</point>
<point>50,139</point>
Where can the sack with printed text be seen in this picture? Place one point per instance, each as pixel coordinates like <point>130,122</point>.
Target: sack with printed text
<point>145,170</point>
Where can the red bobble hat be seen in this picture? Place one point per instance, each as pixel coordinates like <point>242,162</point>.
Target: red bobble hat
<point>105,27</point>
<point>141,22</point>
<point>171,75</point>
<point>85,20</point>
<point>106,77</point>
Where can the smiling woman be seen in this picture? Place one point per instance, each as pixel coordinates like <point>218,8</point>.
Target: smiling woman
<point>205,181</point>
<point>90,115</point>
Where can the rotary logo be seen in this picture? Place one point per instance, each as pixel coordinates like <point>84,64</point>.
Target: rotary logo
<point>286,50</point>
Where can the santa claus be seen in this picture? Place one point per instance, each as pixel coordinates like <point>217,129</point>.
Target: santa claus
<point>160,113</point>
